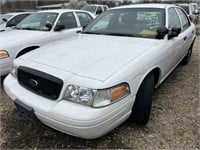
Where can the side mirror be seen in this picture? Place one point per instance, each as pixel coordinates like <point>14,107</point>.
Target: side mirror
<point>84,26</point>
<point>4,19</point>
<point>175,31</point>
<point>161,32</point>
<point>59,27</point>
<point>49,26</point>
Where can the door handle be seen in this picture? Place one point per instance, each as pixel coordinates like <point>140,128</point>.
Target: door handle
<point>185,38</point>
<point>79,31</point>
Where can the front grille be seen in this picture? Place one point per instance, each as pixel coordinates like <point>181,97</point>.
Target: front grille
<point>39,82</point>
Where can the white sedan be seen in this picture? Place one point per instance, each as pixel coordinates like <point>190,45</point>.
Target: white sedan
<point>38,29</point>
<point>88,86</point>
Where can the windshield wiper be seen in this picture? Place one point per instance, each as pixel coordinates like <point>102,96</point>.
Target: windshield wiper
<point>28,28</point>
<point>18,28</point>
<point>88,32</point>
<point>120,34</point>
<point>113,34</point>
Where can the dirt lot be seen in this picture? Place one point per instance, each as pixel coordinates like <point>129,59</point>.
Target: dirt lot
<point>174,122</point>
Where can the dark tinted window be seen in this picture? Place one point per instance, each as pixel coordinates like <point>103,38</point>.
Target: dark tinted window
<point>173,19</point>
<point>68,20</point>
<point>99,10</point>
<point>15,20</point>
<point>184,18</point>
<point>84,18</point>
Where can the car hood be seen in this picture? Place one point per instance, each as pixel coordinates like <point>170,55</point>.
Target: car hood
<point>92,56</point>
<point>15,37</point>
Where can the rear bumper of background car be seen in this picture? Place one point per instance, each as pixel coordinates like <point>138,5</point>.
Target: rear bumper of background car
<point>68,117</point>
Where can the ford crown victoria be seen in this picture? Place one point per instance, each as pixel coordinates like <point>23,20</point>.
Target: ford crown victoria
<point>89,85</point>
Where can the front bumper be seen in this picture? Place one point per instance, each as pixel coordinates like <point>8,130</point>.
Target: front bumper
<point>71,118</point>
<point>5,65</point>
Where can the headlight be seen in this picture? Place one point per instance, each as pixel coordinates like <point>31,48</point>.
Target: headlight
<point>80,95</point>
<point>3,54</point>
<point>13,70</point>
<point>96,98</point>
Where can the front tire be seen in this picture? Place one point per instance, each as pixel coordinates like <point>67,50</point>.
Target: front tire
<point>142,107</point>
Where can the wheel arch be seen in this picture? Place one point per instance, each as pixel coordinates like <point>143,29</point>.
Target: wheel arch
<point>26,50</point>
<point>157,74</point>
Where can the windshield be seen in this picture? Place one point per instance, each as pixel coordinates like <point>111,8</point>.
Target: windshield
<point>134,22</point>
<point>4,17</point>
<point>38,21</point>
<point>89,8</point>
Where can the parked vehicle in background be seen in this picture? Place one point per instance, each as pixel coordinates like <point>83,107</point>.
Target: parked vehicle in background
<point>95,9</point>
<point>11,19</point>
<point>192,11</point>
<point>89,85</point>
<point>38,29</point>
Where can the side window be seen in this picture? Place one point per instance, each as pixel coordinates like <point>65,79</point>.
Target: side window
<point>15,20</point>
<point>84,18</point>
<point>68,20</point>
<point>184,18</point>
<point>99,10</point>
<point>173,19</point>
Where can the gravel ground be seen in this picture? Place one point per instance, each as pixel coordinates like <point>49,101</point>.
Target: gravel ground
<point>174,122</point>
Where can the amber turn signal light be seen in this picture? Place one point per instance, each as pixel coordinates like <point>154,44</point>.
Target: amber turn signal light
<point>120,92</point>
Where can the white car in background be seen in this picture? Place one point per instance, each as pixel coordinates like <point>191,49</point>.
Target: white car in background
<point>192,11</point>
<point>96,9</point>
<point>89,85</point>
<point>11,19</point>
<point>38,29</point>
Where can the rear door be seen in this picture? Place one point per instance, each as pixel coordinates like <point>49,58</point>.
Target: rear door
<point>187,31</point>
<point>174,44</point>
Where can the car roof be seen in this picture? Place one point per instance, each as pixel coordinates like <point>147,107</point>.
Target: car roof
<point>152,5</point>
<point>17,13</point>
<point>96,5</point>
<point>60,10</point>
<point>182,4</point>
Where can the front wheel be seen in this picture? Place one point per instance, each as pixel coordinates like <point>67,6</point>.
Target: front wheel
<point>142,107</point>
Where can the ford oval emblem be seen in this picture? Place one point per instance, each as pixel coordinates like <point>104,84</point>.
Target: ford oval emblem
<point>33,82</point>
